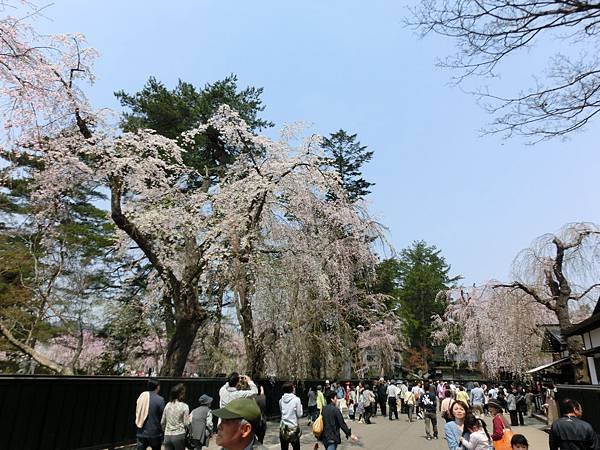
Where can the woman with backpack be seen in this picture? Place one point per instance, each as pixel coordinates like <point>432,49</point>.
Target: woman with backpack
<point>291,412</point>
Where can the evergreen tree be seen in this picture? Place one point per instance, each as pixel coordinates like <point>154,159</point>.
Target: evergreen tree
<point>346,156</point>
<point>421,273</point>
<point>51,270</point>
<point>171,112</point>
<point>413,280</point>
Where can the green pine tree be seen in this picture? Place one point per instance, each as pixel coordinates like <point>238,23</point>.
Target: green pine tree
<point>346,156</point>
<point>170,112</point>
<point>421,273</point>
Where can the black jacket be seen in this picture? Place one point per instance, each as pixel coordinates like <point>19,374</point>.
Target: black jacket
<point>332,423</point>
<point>571,433</point>
<point>427,401</point>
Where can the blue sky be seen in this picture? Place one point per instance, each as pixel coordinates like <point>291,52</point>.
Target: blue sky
<point>352,64</point>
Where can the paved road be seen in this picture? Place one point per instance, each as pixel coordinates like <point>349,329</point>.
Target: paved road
<point>386,435</point>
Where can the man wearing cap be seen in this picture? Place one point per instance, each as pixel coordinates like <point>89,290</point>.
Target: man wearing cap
<point>240,419</point>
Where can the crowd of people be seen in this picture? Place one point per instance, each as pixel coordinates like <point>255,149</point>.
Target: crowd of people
<point>240,421</point>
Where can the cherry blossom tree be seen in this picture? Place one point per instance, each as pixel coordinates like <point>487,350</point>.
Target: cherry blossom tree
<point>558,271</point>
<point>271,199</point>
<point>48,114</point>
<point>274,201</point>
<point>498,328</point>
<point>79,352</point>
<point>553,278</point>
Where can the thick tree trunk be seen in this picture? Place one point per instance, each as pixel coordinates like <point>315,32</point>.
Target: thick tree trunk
<point>180,345</point>
<point>168,315</point>
<point>216,335</point>
<point>189,316</point>
<point>574,344</point>
<point>255,352</point>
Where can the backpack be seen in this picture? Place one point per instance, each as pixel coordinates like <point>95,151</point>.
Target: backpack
<point>340,393</point>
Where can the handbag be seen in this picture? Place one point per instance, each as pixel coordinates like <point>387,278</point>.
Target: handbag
<point>317,426</point>
<point>504,442</point>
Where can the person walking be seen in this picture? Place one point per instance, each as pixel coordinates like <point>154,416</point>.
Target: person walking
<point>417,390</point>
<point>427,401</point>
<point>369,403</point>
<point>320,399</point>
<point>382,396</point>
<point>499,423</point>
<point>261,401</point>
<point>200,428</point>
<point>290,407</point>
<point>403,388</point>
<point>441,393</point>
<point>511,405</point>
<point>312,406</point>
<point>175,418</point>
<point>529,399</point>
<point>148,414</point>
<point>570,432</point>
<point>455,429</point>
<point>333,422</point>
<point>445,406</point>
<point>409,402</point>
<point>477,399</point>
<point>391,394</point>
<point>462,395</point>
<point>341,396</point>
<point>521,405</point>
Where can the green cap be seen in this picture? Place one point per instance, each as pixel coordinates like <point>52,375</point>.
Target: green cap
<point>240,408</point>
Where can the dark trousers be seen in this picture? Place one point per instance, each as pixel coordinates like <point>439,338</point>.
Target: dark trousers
<point>521,420</point>
<point>513,418</point>
<point>382,406</point>
<point>143,443</point>
<point>393,407</point>
<point>368,413</point>
<point>174,442</point>
<point>313,413</point>
<point>431,423</point>
<point>285,445</point>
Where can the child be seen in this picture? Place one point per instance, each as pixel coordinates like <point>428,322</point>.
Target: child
<point>479,438</point>
<point>519,442</point>
<point>351,409</point>
<point>360,408</point>
<point>409,401</point>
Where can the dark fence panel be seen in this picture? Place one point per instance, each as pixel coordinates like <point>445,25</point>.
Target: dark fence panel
<point>64,413</point>
<point>588,397</point>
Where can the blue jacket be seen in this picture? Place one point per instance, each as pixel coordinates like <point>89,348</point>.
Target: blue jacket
<point>453,434</point>
<point>152,428</point>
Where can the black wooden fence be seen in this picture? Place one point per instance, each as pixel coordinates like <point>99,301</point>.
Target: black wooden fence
<point>588,397</point>
<point>64,413</point>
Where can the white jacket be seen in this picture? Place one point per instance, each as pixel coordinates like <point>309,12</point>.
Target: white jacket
<point>228,393</point>
<point>291,409</point>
